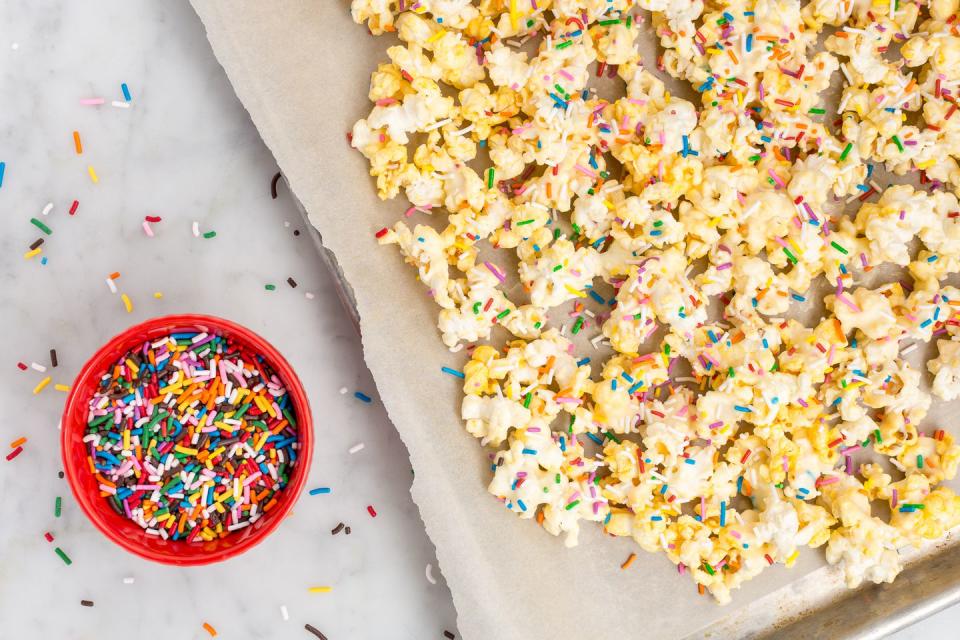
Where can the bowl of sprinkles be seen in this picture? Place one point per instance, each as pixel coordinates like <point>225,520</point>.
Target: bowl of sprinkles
<point>186,439</point>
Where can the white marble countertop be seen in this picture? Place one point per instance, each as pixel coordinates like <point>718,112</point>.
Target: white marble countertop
<point>184,150</point>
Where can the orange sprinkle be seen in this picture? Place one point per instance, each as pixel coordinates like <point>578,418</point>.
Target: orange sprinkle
<point>629,561</point>
<point>16,443</point>
<point>210,630</point>
<point>114,275</point>
<point>76,142</point>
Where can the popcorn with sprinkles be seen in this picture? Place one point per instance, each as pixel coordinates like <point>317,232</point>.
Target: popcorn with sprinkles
<point>687,315</point>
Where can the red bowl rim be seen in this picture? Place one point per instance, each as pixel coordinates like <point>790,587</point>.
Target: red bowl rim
<point>304,433</point>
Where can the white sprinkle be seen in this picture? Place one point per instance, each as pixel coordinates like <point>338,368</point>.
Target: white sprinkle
<point>343,390</point>
<point>38,367</point>
<point>128,580</point>
<point>309,295</point>
<point>196,229</point>
<point>909,349</point>
<point>286,223</point>
<point>113,287</point>
<point>120,104</point>
<point>284,612</point>
<point>430,577</point>
<point>15,46</point>
<point>47,209</point>
<point>355,448</point>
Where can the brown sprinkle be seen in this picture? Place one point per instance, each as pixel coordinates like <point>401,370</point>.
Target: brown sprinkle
<point>86,603</point>
<point>273,185</point>
<point>292,283</point>
<point>36,243</point>
<point>347,531</point>
<point>448,634</point>
<point>53,357</point>
<point>312,629</point>
<point>337,529</point>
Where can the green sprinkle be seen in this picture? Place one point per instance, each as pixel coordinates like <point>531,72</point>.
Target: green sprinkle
<point>607,23</point>
<point>839,248</point>
<point>708,568</point>
<point>658,223</point>
<point>565,44</point>
<point>572,505</point>
<point>536,325</point>
<point>526,400</point>
<point>557,268</point>
<point>897,142</point>
<point>730,372</point>
<point>792,258</point>
<point>270,287</point>
<point>876,435</point>
<point>577,325</point>
<point>66,559</point>
<point>817,111</point>
<point>610,435</point>
<point>57,506</point>
<point>846,151</point>
<point>503,314</point>
<point>754,158</point>
<point>919,462</point>
<point>41,226</point>
<point>210,234</point>
<point>523,222</point>
<point>666,349</point>
<point>490,178</point>
<point>476,308</point>
<point>557,478</point>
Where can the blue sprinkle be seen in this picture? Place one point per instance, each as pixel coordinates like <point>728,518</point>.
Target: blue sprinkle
<point>727,17</point>
<point>520,504</point>
<point>362,396</point>
<point>613,384</point>
<point>798,297</point>
<point>689,461</point>
<point>656,232</point>
<point>749,42</point>
<point>452,372</point>
<point>595,439</point>
<point>723,513</point>
<point>43,260</point>
<point>926,323</point>
<point>932,259</point>
<point>319,490</point>
<point>529,452</point>
<point>656,518</point>
<point>580,363</point>
<point>596,296</point>
<point>632,390</point>
<point>3,166</point>
<point>740,484</point>
<point>126,92</point>
<point>742,409</point>
<point>626,376</point>
<point>663,489</point>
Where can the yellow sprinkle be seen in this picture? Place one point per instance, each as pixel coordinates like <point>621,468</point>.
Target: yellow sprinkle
<point>186,450</point>
<point>43,383</point>
<point>926,165</point>
<point>579,294</point>
<point>513,15</point>
<point>61,387</point>
<point>320,589</point>
<point>439,34</point>
<point>157,295</point>
<point>126,302</point>
<point>93,174</point>
<point>30,254</point>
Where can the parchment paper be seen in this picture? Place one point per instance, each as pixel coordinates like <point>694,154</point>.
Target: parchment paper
<point>302,71</point>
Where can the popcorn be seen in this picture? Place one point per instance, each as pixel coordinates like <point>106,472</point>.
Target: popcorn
<point>694,238</point>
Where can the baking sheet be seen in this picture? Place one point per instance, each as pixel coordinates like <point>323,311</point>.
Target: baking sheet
<point>302,71</point>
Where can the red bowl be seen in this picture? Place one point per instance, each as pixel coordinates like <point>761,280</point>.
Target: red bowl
<point>127,533</point>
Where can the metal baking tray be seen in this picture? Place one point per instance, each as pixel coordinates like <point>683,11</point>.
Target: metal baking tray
<point>928,584</point>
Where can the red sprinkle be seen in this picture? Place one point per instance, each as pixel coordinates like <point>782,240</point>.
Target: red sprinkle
<point>769,559</point>
<point>48,536</point>
<point>13,454</point>
<point>73,207</point>
<point>381,233</point>
<point>153,218</point>
<point>371,511</point>
<point>21,366</point>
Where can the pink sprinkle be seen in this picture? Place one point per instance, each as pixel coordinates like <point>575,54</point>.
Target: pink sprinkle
<point>847,301</point>
<point>893,499</point>
<point>717,424</point>
<point>91,101</point>
<point>146,228</point>
<point>725,265</point>
<point>566,400</point>
<point>776,178</point>
<point>496,272</point>
<point>825,480</point>
<point>681,568</point>
<point>565,74</point>
<point>735,534</point>
<point>383,102</point>
<point>585,171</point>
